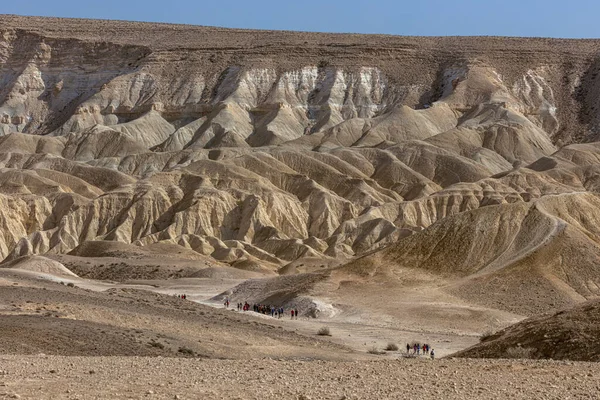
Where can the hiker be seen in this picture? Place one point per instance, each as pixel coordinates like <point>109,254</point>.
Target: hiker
<point>296,313</point>
<point>292,312</point>
<point>407,348</point>
<point>418,349</point>
<point>432,354</point>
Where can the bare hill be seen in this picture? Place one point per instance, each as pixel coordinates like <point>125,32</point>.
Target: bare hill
<point>45,316</point>
<point>40,264</point>
<point>570,334</point>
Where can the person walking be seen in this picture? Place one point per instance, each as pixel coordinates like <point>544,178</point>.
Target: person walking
<point>432,354</point>
<point>407,348</point>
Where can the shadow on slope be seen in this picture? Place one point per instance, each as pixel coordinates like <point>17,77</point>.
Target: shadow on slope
<point>572,334</point>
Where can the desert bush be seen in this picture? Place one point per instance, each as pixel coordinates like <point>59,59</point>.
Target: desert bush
<point>186,351</point>
<point>158,345</point>
<point>519,352</point>
<point>391,347</point>
<point>324,331</point>
<point>70,284</point>
<point>375,350</point>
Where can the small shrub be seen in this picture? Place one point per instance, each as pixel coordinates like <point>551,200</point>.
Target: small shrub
<point>519,352</point>
<point>324,331</point>
<point>375,350</point>
<point>158,345</point>
<point>70,284</point>
<point>391,347</point>
<point>186,351</point>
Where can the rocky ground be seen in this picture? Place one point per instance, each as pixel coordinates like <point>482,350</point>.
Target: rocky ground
<point>50,377</point>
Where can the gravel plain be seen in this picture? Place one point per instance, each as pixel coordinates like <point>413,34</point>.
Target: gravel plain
<point>55,377</point>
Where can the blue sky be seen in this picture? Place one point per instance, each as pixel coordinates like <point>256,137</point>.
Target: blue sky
<point>548,18</point>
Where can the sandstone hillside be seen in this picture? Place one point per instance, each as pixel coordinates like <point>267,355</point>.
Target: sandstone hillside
<point>257,149</point>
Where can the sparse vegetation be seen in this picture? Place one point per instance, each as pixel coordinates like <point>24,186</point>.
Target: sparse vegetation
<point>186,351</point>
<point>158,345</point>
<point>324,331</point>
<point>375,350</point>
<point>70,284</point>
<point>519,352</point>
<point>391,347</point>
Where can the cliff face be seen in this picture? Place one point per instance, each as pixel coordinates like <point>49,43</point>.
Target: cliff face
<point>265,147</point>
<point>55,68</point>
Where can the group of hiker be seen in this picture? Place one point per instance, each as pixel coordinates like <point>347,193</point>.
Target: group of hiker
<point>275,312</point>
<point>418,349</point>
<point>182,296</point>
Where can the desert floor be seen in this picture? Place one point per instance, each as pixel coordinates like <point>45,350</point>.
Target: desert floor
<point>51,377</point>
<point>236,355</point>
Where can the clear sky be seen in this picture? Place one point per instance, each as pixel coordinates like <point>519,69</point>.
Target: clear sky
<point>546,18</point>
